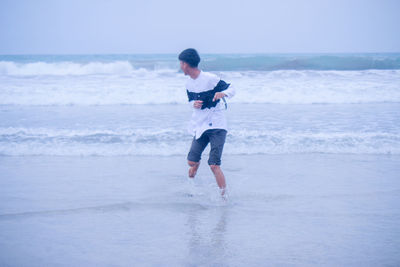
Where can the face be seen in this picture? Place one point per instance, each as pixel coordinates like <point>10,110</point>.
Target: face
<point>184,67</point>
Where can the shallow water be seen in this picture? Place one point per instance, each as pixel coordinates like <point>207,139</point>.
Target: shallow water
<point>315,209</point>
<point>161,129</point>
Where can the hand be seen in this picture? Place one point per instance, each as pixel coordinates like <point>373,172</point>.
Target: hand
<point>218,95</point>
<point>197,104</point>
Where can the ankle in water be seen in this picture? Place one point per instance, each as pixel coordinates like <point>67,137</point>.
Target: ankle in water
<point>222,191</point>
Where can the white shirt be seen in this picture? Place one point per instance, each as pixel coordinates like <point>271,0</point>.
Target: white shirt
<point>208,118</point>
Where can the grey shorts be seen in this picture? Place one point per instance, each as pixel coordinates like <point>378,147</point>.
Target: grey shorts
<point>216,138</point>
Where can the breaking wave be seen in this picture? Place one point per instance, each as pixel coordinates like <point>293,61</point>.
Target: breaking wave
<point>166,142</point>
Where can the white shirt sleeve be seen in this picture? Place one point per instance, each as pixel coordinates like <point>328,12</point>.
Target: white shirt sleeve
<point>230,92</point>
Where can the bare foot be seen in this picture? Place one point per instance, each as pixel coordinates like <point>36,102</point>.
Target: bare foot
<point>222,191</point>
<point>223,194</point>
<point>193,170</point>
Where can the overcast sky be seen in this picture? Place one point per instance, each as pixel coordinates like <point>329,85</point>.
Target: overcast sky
<point>211,26</point>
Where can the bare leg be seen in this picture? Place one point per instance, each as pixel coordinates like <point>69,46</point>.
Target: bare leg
<point>219,176</point>
<point>193,168</point>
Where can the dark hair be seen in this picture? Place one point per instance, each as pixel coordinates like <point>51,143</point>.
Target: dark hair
<point>190,56</point>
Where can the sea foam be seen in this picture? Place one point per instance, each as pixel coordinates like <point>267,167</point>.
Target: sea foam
<point>123,85</point>
<point>172,141</point>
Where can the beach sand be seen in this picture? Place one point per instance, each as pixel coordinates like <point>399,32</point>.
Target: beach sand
<point>295,209</point>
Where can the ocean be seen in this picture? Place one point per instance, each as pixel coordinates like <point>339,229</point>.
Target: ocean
<point>137,104</point>
<point>93,168</point>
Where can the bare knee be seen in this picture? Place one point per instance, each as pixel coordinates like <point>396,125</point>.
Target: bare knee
<point>214,167</point>
<point>193,163</point>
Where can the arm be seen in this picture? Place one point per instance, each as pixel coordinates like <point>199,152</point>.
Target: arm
<point>195,103</point>
<point>194,100</point>
<point>229,93</point>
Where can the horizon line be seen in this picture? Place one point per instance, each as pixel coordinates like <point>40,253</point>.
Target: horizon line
<point>204,53</point>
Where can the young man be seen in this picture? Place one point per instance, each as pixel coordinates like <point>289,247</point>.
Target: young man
<point>208,124</point>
